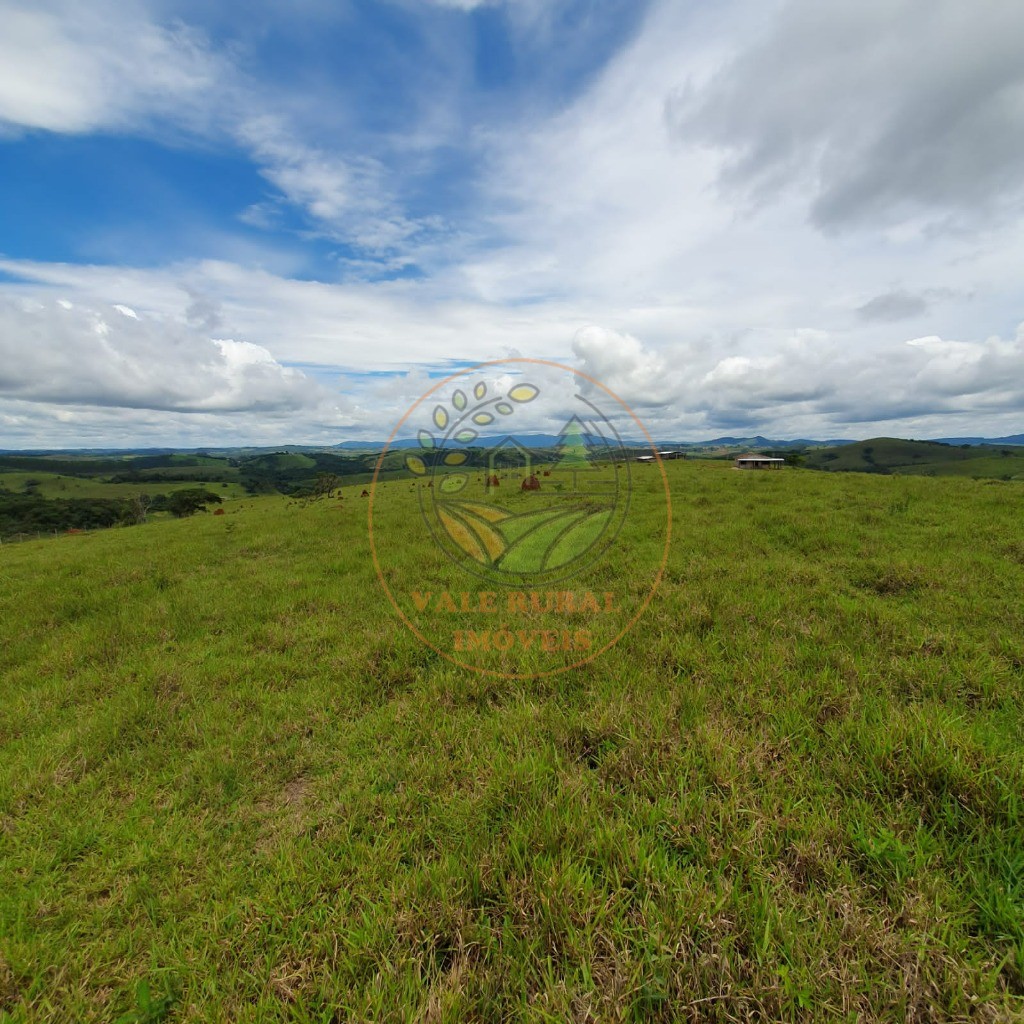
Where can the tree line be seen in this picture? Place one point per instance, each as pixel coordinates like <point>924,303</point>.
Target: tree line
<point>28,513</point>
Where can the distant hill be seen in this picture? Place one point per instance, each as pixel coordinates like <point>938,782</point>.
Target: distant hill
<point>213,451</point>
<point>485,441</point>
<point>550,440</point>
<point>1011,439</point>
<point>757,441</point>
<point>891,455</point>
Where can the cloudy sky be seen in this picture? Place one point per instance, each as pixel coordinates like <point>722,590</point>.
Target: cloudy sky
<point>262,222</point>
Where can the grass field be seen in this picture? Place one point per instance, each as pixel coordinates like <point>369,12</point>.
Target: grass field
<point>920,458</point>
<point>996,466</point>
<point>56,485</point>
<point>233,788</point>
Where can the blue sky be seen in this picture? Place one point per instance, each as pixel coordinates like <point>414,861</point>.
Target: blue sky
<point>245,223</point>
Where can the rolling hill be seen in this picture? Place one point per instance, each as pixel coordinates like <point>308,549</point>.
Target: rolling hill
<point>890,455</point>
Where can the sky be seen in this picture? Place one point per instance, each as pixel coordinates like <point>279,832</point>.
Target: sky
<point>269,223</point>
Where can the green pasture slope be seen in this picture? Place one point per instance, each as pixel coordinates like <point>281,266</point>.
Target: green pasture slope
<point>232,788</point>
<point>55,485</point>
<point>920,458</point>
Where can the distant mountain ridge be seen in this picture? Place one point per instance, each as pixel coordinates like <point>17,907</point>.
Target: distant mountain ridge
<point>550,440</point>
<point>1010,439</point>
<point>755,442</point>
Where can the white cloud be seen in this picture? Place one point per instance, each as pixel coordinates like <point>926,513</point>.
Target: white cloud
<point>357,326</point>
<point>76,68</point>
<point>600,234</point>
<point>35,425</point>
<point>639,376</point>
<point>66,353</point>
<point>809,378</point>
<point>71,67</point>
<point>883,111</point>
<point>344,195</point>
<point>793,382</point>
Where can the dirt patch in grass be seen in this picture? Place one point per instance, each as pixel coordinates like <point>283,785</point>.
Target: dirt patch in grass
<point>283,812</point>
<point>10,991</point>
<point>588,746</point>
<point>889,579</point>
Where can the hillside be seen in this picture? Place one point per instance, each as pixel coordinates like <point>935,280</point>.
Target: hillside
<point>73,477</point>
<point>232,786</point>
<point>923,458</point>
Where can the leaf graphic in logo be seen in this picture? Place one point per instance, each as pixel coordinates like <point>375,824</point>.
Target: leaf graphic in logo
<point>415,463</point>
<point>476,537</point>
<point>504,408</point>
<point>459,400</point>
<point>523,393</point>
<point>426,439</point>
<point>465,436</point>
<point>483,418</point>
<point>577,539</point>
<point>455,458</point>
<point>491,513</point>
<point>453,483</point>
<point>531,536</point>
<point>441,417</point>
<point>551,538</point>
<point>480,390</point>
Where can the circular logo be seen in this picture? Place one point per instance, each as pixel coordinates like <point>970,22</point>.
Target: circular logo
<point>522,523</point>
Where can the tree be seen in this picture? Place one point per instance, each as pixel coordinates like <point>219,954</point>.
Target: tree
<point>137,509</point>
<point>572,448</point>
<point>325,485</point>
<point>193,499</point>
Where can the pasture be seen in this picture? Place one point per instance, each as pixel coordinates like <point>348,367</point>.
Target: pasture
<point>234,788</point>
<point>57,485</point>
<point>921,458</point>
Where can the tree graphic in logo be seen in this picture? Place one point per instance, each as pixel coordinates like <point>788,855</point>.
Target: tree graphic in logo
<point>536,533</point>
<point>573,453</point>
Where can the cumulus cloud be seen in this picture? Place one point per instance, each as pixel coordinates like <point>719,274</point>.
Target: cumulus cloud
<point>35,425</point>
<point>639,376</point>
<point>203,312</point>
<point>59,352</point>
<point>809,377</point>
<point>355,326</point>
<point>592,215</point>
<point>682,383</point>
<point>882,109</point>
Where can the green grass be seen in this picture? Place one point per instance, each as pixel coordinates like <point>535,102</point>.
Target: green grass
<point>56,485</point>
<point>987,465</point>
<point>232,787</point>
<point>920,458</point>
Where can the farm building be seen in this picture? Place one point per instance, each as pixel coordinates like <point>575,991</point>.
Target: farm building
<point>661,455</point>
<point>752,461</point>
